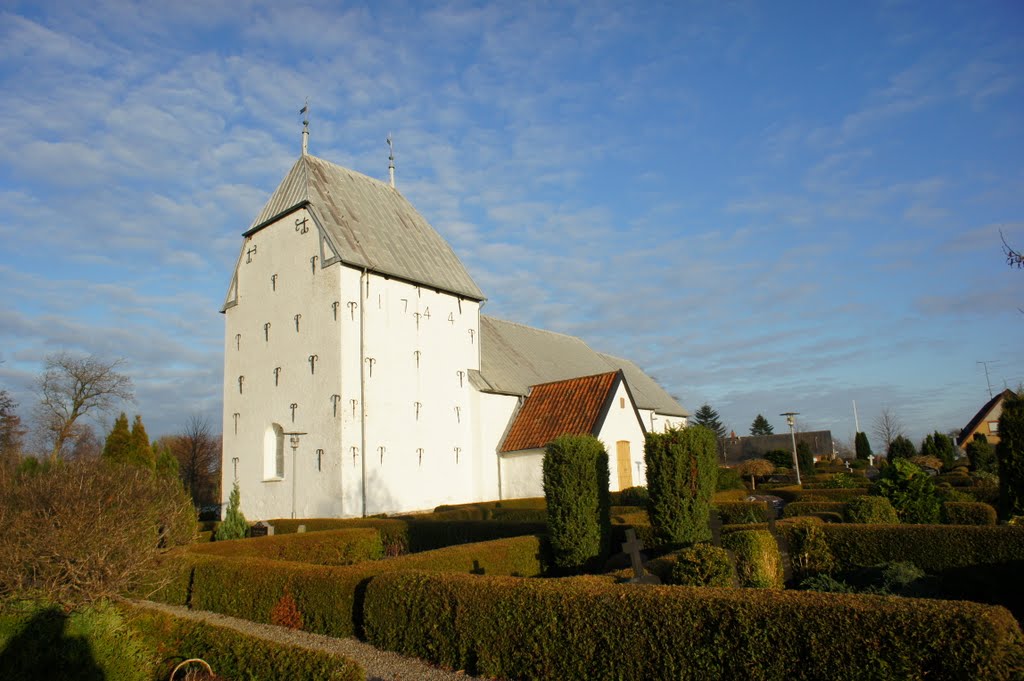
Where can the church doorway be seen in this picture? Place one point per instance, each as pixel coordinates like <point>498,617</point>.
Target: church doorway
<point>625,464</point>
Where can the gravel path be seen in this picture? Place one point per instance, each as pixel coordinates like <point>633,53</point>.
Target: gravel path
<point>380,665</point>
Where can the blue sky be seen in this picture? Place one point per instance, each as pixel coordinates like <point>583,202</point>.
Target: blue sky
<point>769,206</point>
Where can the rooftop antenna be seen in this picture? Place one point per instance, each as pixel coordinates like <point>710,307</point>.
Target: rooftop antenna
<point>987,380</point>
<point>391,161</point>
<point>305,127</point>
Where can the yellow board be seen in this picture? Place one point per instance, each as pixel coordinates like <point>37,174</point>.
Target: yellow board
<point>625,464</point>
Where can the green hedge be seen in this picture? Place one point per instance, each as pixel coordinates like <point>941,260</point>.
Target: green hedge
<point>871,510</point>
<point>681,479</point>
<point>793,493</point>
<point>802,508</point>
<point>331,547</point>
<point>328,597</point>
<point>968,513</point>
<point>585,628</point>
<point>576,479</point>
<point>758,562</point>
<point>232,654</point>
<point>736,512</point>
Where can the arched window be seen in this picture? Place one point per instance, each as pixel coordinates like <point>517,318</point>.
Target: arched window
<point>273,452</point>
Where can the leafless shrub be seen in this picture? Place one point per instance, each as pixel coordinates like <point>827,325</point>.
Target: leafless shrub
<point>78,531</point>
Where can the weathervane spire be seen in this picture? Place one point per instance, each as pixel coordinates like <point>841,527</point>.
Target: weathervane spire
<point>305,127</point>
<point>391,161</point>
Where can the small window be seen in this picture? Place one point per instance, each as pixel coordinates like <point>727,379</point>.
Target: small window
<point>993,426</point>
<point>622,403</point>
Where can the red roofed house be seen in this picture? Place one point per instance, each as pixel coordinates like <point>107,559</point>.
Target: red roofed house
<point>601,405</point>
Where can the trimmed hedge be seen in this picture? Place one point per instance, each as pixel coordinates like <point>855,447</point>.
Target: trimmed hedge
<point>801,508</point>
<point>703,565</point>
<point>737,512</point>
<point>516,628</point>
<point>871,510</point>
<point>327,597</point>
<point>758,562</point>
<point>331,547</point>
<point>681,478</point>
<point>793,493</point>
<point>576,479</point>
<point>968,513</point>
<point>232,654</point>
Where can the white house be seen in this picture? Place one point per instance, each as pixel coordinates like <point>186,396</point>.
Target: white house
<point>361,378</point>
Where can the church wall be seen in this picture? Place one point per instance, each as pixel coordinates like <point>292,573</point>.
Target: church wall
<point>311,479</point>
<point>492,415</point>
<point>419,437</point>
<point>620,423</point>
<point>522,474</point>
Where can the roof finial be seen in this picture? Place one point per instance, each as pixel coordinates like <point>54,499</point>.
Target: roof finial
<point>305,127</point>
<point>391,161</point>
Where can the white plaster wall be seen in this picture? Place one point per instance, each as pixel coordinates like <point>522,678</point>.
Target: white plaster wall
<point>620,423</point>
<point>253,352</point>
<point>522,474</point>
<point>492,415</point>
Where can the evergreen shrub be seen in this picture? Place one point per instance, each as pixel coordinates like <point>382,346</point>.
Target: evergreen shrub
<point>1010,457</point>
<point>586,628</point>
<point>910,490</point>
<point>871,511</point>
<point>234,525</point>
<point>681,479</point>
<point>576,480</point>
<point>633,496</point>
<point>758,562</point>
<point>729,478</point>
<point>968,513</point>
<point>327,596</point>
<point>334,547</point>
<point>734,512</point>
<point>703,565</point>
<point>809,552</point>
<point>792,493</point>
<point>801,508</point>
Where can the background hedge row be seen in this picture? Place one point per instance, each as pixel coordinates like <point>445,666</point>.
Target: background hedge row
<point>331,547</point>
<point>523,629</point>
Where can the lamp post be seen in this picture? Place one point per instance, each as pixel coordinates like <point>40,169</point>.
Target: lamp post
<point>293,439</point>
<point>791,420</point>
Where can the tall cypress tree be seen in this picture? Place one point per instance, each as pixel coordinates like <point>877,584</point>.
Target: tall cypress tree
<point>862,446</point>
<point>760,426</point>
<point>141,452</point>
<point>1010,457</point>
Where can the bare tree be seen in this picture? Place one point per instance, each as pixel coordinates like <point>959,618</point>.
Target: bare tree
<point>887,427</point>
<point>87,444</point>
<point>72,387</point>
<point>1013,258</point>
<point>198,452</point>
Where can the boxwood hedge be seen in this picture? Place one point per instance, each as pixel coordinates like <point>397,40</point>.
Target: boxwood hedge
<point>801,508</point>
<point>736,512</point>
<point>968,513</point>
<point>523,629</point>
<point>331,547</point>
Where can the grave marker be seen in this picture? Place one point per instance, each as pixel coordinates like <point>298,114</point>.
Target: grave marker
<point>633,546</point>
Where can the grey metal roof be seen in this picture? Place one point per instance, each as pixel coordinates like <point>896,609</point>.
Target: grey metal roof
<point>515,357</point>
<point>370,224</point>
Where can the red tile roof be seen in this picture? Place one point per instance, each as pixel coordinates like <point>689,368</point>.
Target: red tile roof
<point>571,407</point>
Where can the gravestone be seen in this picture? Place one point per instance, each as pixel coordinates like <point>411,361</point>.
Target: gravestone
<point>633,546</point>
<point>261,530</point>
<point>302,528</point>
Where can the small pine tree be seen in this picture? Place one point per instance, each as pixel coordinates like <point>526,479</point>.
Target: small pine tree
<point>141,453</point>
<point>708,417</point>
<point>576,480</point>
<point>760,426</point>
<point>118,447</point>
<point>901,448</point>
<point>981,454</point>
<point>166,463</point>
<point>234,525</point>
<point>862,446</point>
<point>1010,457</point>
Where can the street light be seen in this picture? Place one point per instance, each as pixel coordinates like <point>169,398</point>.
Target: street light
<point>293,439</point>
<point>791,420</point>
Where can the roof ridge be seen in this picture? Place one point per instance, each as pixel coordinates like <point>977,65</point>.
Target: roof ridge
<point>386,185</point>
<point>535,328</point>
<point>579,378</point>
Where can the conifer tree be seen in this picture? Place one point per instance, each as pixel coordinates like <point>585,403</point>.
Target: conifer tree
<point>760,426</point>
<point>941,447</point>
<point>1010,456</point>
<point>982,454</point>
<point>862,446</point>
<point>234,525</point>
<point>901,448</point>
<point>141,451</point>
<point>118,446</point>
<point>166,464</point>
<point>11,431</point>
<point>708,417</point>
<point>805,457</point>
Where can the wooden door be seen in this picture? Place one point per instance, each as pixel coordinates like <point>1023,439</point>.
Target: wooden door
<point>625,464</point>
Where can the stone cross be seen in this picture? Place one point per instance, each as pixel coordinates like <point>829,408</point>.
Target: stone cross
<point>633,546</point>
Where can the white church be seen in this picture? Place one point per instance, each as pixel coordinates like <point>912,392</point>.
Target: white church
<point>361,378</point>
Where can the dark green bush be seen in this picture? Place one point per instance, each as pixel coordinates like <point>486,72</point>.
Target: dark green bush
<point>910,491</point>
<point>758,562</point>
<point>968,513</point>
<point>809,552</point>
<point>586,628</point>
<point>734,512</point>
<point>576,480</point>
<point>327,597</point>
<point>681,479</point>
<point>871,511</point>
<point>232,654</point>
<point>633,496</point>
<point>333,547</point>
<point>703,565</point>
<point>1010,457</point>
<point>793,493</point>
<point>728,478</point>
<point>800,508</point>
<point>954,479</point>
